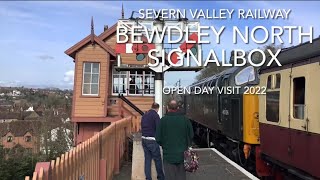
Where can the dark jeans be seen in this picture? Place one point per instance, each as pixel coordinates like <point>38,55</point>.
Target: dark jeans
<point>152,151</point>
<point>174,171</point>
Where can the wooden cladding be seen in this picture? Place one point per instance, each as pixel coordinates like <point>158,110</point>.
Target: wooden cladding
<point>142,102</point>
<point>91,106</point>
<point>99,157</point>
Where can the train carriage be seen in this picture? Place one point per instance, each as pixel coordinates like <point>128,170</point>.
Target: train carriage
<point>289,115</point>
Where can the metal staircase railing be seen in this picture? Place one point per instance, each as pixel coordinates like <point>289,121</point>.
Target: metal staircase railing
<point>130,104</point>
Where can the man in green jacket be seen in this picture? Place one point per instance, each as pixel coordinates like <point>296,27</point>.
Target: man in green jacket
<point>174,134</point>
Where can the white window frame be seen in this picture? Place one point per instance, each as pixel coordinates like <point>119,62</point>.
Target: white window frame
<point>135,75</point>
<point>128,84</point>
<point>152,76</point>
<point>126,77</point>
<point>91,73</point>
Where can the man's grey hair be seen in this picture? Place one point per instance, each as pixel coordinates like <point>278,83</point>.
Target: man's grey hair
<point>173,105</point>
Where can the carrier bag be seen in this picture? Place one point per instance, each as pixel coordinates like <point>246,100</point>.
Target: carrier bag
<point>191,158</point>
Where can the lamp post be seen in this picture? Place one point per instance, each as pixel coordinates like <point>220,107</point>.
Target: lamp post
<point>159,76</point>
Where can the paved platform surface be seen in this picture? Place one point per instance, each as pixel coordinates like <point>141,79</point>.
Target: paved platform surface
<point>212,166</point>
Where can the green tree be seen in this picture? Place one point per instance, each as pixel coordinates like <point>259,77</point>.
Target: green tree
<point>210,70</point>
<point>257,57</point>
<point>16,163</point>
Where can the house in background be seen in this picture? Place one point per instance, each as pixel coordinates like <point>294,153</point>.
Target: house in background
<point>9,116</point>
<point>20,133</point>
<point>97,83</point>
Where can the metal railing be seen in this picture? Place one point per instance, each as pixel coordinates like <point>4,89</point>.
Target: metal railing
<point>131,104</point>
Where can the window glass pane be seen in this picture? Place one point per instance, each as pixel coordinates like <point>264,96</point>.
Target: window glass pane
<point>86,78</point>
<point>245,75</point>
<point>9,139</point>
<point>87,67</point>
<point>122,88</point>
<point>95,67</point>
<point>91,78</point>
<point>278,80</point>
<point>147,89</point>
<point>119,81</point>
<point>95,78</point>
<point>94,88</point>
<point>269,82</point>
<point>86,88</point>
<point>123,79</point>
<point>115,88</point>
<point>298,97</point>
<point>272,106</point>
<point>149,83</point>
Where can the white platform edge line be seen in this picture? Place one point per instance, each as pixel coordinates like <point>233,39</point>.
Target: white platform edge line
<point>245,172</point>
<point>235,165</point>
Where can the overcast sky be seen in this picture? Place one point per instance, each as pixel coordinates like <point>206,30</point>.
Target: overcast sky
<point>34,35</point>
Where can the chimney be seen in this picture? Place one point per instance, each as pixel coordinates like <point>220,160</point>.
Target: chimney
<point>105,27</point>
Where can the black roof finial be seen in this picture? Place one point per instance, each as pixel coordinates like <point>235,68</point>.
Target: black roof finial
<point>92,30</point>
<point>122,12</point>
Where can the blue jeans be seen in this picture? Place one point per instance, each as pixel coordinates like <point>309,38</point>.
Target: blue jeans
<point>152,151</point>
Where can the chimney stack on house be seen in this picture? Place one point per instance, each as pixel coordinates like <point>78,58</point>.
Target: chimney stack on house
<point>105,27</point>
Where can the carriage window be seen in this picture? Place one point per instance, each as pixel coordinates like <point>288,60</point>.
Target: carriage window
<point>269,81</point>
<point>272,106</point>
<point>273,97</point>
<point>299,97</point>
<point>278,80</point>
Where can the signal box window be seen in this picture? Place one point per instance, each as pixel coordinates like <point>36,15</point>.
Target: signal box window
<point>119,82</point>
<point>299,97</point>
<point>273,98</point>
<point>91,75</point>
<point>133,82</point>
<point>149,83</point>
<point>136,82</point>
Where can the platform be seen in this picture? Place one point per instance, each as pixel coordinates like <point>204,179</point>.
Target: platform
<point>213,165</point>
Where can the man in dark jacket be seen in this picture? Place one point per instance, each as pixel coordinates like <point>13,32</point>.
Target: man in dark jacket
<point>174,134</point>
<point>149,122</point>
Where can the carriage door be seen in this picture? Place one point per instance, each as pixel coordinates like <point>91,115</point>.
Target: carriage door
<point>225,107</point>
<point>298,124</point>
